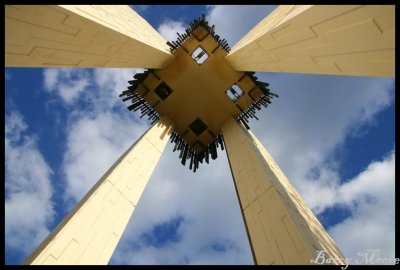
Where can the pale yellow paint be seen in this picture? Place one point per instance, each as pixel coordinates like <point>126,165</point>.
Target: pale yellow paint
<point>90,233</point>
<point>280,226</point>
<point>322,39</point>
<point>81,36</point>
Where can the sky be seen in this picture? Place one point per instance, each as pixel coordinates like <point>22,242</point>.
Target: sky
<point>333,136</point>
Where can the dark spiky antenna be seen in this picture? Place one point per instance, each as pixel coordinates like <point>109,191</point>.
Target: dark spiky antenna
<point>138,102</point>
<point>187,152</point>
<point>193,25</point>
<point>263,100</point>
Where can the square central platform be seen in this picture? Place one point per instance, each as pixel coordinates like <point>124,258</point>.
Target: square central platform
<point>198,89</point>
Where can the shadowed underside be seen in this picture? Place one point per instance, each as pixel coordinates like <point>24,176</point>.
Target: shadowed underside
<point>198,90</point>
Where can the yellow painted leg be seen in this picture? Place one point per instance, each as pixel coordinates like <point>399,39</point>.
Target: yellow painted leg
<point>280,226</point>
<point>90,233</point>
<point>322,39</point>
<point>81,36</point>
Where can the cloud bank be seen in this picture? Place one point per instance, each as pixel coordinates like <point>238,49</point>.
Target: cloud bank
<point>27,187</point>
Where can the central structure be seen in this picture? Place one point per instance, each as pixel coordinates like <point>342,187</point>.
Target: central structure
<point>198,90</point>
<point>200,94</point>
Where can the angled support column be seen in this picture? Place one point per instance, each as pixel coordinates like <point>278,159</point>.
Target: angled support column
<point>280,226</point>
<point>87,36</point>
<point>91,231</point>
<point>322,39</point>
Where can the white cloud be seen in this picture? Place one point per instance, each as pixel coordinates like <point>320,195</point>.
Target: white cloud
<point>50,78</point>
<point>7,75</point>
<point>139,8</point>
<point>114,80</point>
<point>27,187</point>
<point>98,132</point>
<point>371,198</point>
<point>68,83</point>
<point>15,125</point>
<point>311,118</point>
<point>110,83</point>
<point>232,22</point>
<point>168,29</point>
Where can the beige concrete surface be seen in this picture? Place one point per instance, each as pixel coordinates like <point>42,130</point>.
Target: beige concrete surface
<point>322,39</point>
<point>280,226</point>
<point>81,36</point>
<point>91,231</point>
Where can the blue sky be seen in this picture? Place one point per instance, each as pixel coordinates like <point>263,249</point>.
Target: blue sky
<point>333,136</point>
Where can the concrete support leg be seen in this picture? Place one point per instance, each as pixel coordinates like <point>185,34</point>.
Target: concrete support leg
<point>280,226</point>
<point>90,233</point>
<point>322,39</point>
<point>88,36</point>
